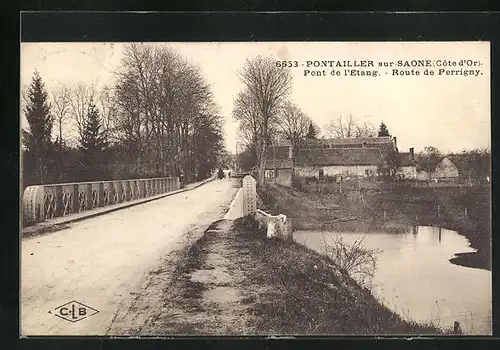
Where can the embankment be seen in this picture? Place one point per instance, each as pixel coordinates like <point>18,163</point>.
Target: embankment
<point>393,211</point>
<point>300,292</point>
<point>235,281</point>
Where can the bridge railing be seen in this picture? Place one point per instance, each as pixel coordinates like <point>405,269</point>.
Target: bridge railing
<point>43,202</point>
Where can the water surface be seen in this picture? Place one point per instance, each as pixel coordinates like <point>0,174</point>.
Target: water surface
<point>415,278</point>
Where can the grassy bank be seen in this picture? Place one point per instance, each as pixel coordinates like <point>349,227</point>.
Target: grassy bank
<point>235,281</point>
<point>393,211</point>
<point>302,292</point>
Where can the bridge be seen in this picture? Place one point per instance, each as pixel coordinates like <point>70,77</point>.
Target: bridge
<point>101,256</point>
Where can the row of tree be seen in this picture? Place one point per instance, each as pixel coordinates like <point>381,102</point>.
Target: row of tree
<point>158,118</point>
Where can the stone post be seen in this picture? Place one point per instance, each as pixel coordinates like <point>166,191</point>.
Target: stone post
<point>249,195</point>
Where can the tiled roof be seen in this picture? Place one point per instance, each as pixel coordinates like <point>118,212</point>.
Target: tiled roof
<point>352,141</point>
<point>385,144</point>
<point>278,163</point>
<point>340,156</point>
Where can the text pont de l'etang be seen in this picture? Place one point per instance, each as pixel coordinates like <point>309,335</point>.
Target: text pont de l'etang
<point>427,67</point>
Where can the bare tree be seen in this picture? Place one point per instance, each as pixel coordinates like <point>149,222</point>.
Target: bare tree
<point>80,98</point>
<point>349,127</point>
<point>162,100</point>
<point>267,87</point>
<point>294,125</point>
<point>107,105</point>
<point>61,99</point>
<point>246,112</point>
<point>365,129</point>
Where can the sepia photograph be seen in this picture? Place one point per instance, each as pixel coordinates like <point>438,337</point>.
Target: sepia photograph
<point>255,188</point>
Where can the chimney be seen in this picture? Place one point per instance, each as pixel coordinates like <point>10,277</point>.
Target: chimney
<point>412,154</point>
<point>395,142</point>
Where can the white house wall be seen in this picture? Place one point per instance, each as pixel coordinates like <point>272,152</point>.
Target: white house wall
<point>331,170</point>
<point>409,172</point>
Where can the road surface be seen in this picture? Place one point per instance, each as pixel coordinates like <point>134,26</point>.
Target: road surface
<point>101,262</point>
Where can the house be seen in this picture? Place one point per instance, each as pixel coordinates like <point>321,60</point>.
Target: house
<point>360,157</point>
<point>317,162</point>
<point>408,165</point>
<point>445,170</point>
<point>279,164</point>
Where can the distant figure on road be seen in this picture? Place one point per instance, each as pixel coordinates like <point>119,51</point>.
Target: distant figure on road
<point>221,175</point>
<point>229,175</point>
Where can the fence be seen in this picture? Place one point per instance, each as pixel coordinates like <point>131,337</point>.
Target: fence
<point>328,185</point>
<point>430,184</point>
<point>44,202</point>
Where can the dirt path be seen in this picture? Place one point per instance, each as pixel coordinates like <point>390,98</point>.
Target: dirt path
<point>104,262</point>
<point>208,292</point>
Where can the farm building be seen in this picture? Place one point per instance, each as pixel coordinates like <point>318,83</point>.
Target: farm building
<point>362,162</point>
<point>279,164</point>
<point>445,170</point>
<point>408,165</point>
<point>360,157</point>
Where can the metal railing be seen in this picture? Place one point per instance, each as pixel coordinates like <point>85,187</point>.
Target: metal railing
<point>43,202</point>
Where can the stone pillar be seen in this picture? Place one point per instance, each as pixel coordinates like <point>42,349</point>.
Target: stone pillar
<point>33,202</point>
<point>249,195</point>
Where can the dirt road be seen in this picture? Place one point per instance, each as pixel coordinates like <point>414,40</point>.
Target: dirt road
<point>104,262</point>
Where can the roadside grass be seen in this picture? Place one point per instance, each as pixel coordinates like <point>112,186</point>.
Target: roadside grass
<point>304,293</point>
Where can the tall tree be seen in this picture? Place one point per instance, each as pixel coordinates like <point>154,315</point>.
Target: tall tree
<point>294,125</point>
<point>93,140</point>
<point>382,131</point>
<point>267,87</point>
<point>81,96</point>
<point>161,99</point>
<point>429,158</point>
<point>207,146</point>
<point>61,99</point>
<point>38,139</point>
<point>393,161</point>
<point>312,131</point>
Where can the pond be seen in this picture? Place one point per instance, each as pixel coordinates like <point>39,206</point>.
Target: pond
<point>415,278</point>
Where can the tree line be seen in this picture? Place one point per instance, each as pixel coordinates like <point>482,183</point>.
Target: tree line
<point>157,118</point>
<point>267,115</point>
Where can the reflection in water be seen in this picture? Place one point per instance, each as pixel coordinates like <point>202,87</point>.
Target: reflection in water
<point>415,278</point>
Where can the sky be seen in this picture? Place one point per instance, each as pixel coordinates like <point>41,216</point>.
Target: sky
<point>450,112</point>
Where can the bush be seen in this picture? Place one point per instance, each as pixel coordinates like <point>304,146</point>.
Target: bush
<point>354,260</point>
